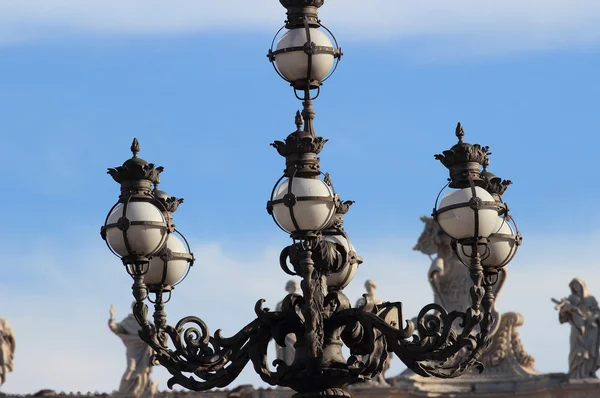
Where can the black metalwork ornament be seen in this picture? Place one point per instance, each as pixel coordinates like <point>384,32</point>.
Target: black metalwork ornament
<point>441,343</point>
<point>464,161</point>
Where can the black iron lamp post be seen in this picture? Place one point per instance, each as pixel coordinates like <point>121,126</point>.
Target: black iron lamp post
<point>477,220</point>
<point>304,203</point>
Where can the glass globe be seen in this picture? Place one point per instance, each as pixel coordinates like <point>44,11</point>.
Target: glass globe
<point>312,214</point>
<point>501,247</point>
<point>459,222</point>
<point>293,65</point>
<point>172,270</point>
<point>144,239</point>
<point>343,277</point>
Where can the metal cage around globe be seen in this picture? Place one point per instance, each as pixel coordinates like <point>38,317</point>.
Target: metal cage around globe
<point>135,229</point>
<point>468,213</point>
<point>501,245</point>
<point>170,265</point>
<point>302,204</point>
<point>305,56</point>
<point>342,278</point>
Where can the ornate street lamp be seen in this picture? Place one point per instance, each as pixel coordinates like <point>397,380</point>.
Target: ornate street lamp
<point>139,229</point>
<point>305,204</point>
<point>477,220</point>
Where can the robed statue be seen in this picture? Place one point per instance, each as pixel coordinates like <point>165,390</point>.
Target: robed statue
<point>581,311</point>
<point>135,382</point>
<point>287,353</point>
<point>7,349</point>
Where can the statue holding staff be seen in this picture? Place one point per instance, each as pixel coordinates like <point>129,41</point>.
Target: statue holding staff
<point>581,311</point>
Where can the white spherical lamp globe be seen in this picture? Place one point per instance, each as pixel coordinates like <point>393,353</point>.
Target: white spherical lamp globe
<point>344,276</point>
<point>459,222</point>
<point>313,206</point>
<point>144,239</point>
<point>293,65</point>
<point>501,247</point>
<point>168,273</point>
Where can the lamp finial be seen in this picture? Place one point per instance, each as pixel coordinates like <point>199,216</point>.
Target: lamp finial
<point>460,132</point>
<point>135,147</point>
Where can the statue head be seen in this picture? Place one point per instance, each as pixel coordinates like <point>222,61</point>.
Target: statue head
<point>433,240</point>
<point>578,288</point>
<point>292,286</point>
<point>370,286</point>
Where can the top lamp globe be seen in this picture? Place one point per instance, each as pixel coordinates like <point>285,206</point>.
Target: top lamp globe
<point>293,63</point>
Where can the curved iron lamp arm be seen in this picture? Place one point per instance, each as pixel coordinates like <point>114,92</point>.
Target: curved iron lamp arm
<point>322,321</point>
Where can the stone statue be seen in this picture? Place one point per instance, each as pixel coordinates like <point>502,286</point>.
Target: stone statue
<point>581,311</point>
<point>287,353</point>
<point>136,381</point>
<point>371,287</point>
<point>7,349</point>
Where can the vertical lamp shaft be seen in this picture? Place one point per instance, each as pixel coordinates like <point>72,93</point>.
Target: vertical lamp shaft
<point>140,292</point>
<point>160,319</point>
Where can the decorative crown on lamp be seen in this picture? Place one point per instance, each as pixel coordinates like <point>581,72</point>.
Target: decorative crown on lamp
<point>136,170</point>
<point>495,185</point>
<point>464,160</point>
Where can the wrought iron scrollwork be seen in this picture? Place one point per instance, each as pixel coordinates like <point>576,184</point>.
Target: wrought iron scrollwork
<point>443,344</point>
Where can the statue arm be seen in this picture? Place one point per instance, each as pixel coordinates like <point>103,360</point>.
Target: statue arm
<point>564,307</point>
<point>112,325</point>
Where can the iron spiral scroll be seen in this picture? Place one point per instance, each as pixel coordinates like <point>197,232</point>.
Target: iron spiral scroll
<point>446,344</point>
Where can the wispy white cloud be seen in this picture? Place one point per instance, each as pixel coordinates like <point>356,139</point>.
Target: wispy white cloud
<point>462,25</point>
<point>59,311</point>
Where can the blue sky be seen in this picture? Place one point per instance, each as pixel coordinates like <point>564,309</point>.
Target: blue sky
<point>192,83</point>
